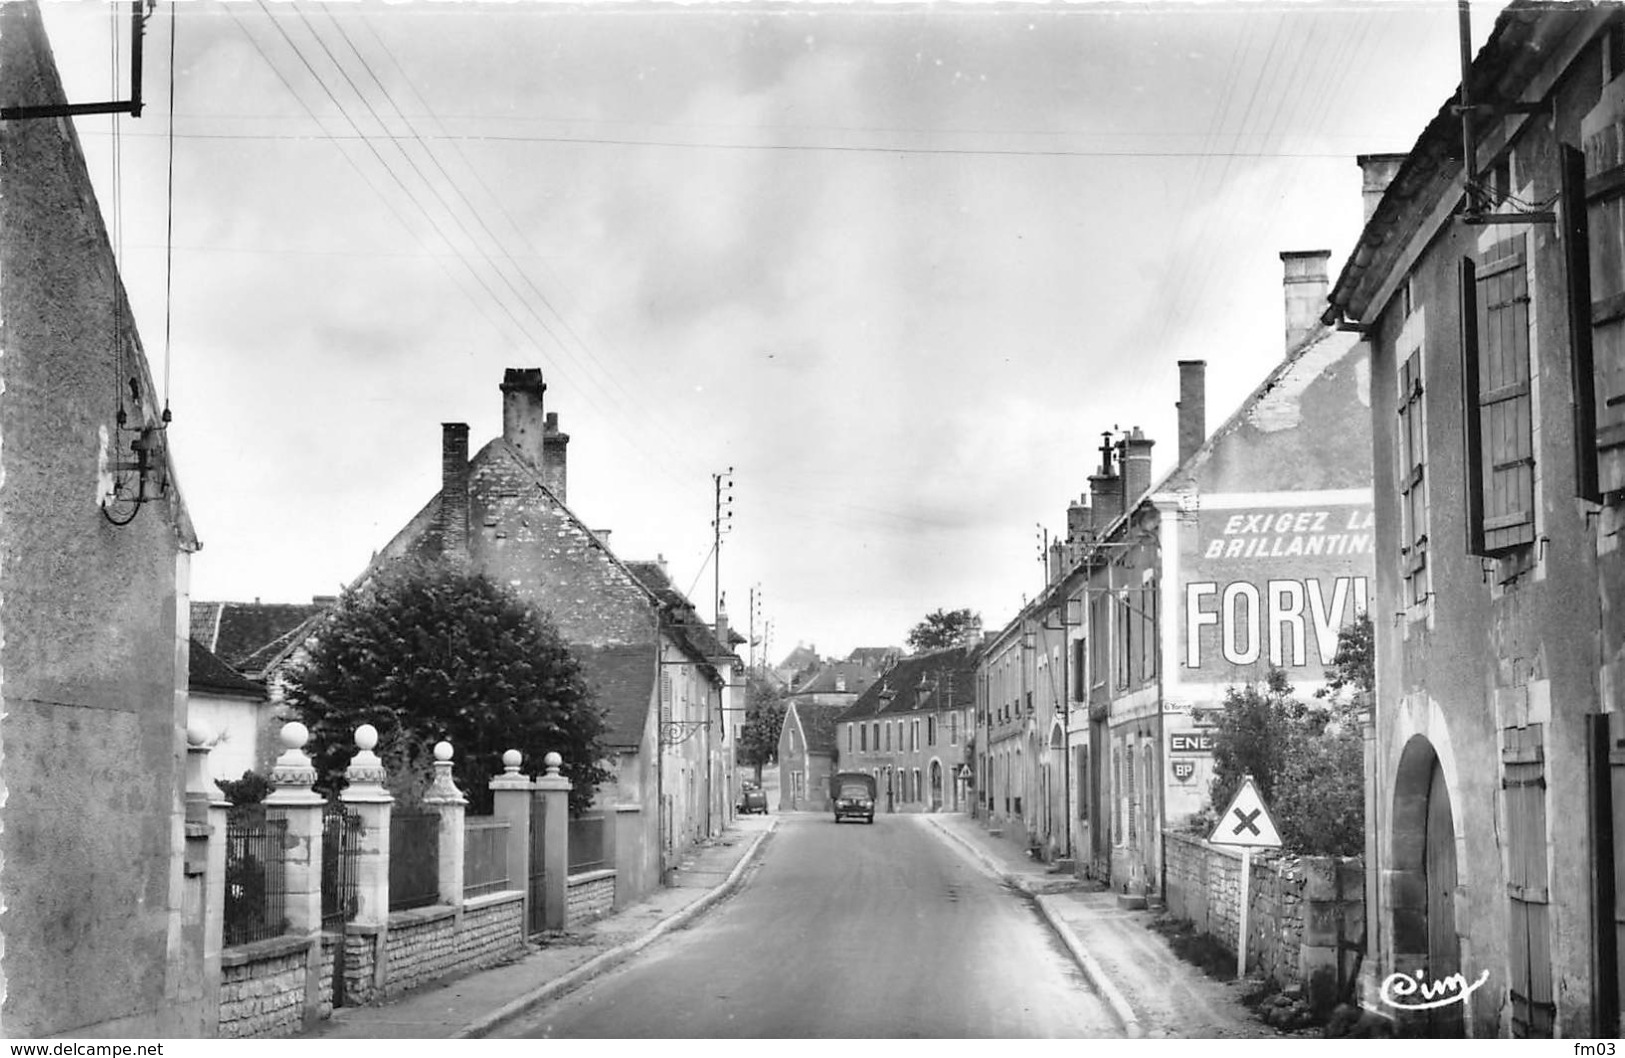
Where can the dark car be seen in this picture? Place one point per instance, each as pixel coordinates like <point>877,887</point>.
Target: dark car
<point>752,798</point>
<point>854,795</point>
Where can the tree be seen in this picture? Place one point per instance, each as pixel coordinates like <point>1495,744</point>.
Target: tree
<point>425,652</point>
<point>764,717</point>
<point>942,628</point>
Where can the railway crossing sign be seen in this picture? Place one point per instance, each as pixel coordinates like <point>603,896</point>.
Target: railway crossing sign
<point>1246,823</point>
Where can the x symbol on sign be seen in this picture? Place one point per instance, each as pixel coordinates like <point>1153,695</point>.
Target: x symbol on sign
<point>1247,820</point>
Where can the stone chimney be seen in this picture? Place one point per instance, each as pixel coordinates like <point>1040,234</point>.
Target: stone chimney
<point>722,625</point>
<point>602,535</point>
<point>1080,529</point>
<point>453,521</point>
<point>1377,172</point>
<point>522,389</point>
<point>1105,487</point>
<point>1058,552</point>
<point>553,444</point>
<point>1192,407</point>
<point>1136,466</point>
<point>1305,283</point>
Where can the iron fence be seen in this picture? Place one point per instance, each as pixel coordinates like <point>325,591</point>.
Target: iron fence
<point>254,906</point>
<point>586,844</point>
<point>414,859</point>
<point>341,844</point>
<point>485,856</point>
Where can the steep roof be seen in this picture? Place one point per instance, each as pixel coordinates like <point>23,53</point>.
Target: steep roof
<point>855,679</point>
<point>207,673</point>
<point>819,723</point>
<point>923,683</point>
<point>623,673</point>
<point>238,631</point>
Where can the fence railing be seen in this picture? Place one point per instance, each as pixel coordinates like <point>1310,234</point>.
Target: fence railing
<point>586,844</point>
<point>254,905</point>
<point>341,844</point>
<point>414,859</point>
<point>485,856</point>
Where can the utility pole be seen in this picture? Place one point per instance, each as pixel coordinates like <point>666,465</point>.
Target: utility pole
<point>722,522</point>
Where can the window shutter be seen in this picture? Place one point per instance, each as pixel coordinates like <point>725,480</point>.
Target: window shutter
<point>1472,425</point>
<point>1605,225</point>
<point>1577,272</point>
<point>1504,410</point>
<point>1523,784</point>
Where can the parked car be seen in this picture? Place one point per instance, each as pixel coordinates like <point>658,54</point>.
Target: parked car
<point>854,795</point>
<point>752,798</point>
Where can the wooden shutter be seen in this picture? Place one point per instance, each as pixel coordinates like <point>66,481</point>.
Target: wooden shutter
<point>1503,403</point>
<point>1413,496</point>
<point>1577,274</point>
<point>1603,136</point>
<point>1472,422</point>
<point>1523,785</point>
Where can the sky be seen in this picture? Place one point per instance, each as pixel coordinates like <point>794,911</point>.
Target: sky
<point>890,270</point>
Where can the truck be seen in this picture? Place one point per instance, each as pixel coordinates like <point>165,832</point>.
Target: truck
<point>853,794</point>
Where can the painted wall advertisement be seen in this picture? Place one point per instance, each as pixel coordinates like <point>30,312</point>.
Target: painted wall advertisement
<point>1269,585</point>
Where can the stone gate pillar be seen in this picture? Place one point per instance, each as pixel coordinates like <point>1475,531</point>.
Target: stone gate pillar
<point>510,801</point>
<point>293,800</point>
<point>555,791</point>
<point>368,932</point>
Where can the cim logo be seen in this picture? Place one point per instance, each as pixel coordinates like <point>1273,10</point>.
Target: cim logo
<point>1276,621</point>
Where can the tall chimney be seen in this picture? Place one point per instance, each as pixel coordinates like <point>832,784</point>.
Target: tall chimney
<point>1192,407</point>
<point>454,489</point>
<point>522,389</point>
<point>1105,487</point>
<point>1136,466</point>
<point>1305,285</point>
<point>1080,529</point>
<point>722,625</point>
<point>552,464</point>
<point>1377,172</point>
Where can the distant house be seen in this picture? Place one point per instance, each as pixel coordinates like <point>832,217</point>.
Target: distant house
<point>808,754</point>
<point>912,730</point>
<point>233,712</point>
<point>504,511</point>
<point>877,658</point>
<point>102,932</point>
<point>797,665</point>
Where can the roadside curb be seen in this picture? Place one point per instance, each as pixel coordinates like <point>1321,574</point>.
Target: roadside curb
<point>608,960</point>
<point>1086,963</point>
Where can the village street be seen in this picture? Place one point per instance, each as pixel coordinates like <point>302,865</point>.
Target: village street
<point>846,930</point>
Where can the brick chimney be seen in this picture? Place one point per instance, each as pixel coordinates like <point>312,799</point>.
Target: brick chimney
<point>553,444</point>
<point>1304,281</point>
<point>1192,407</point>
<point>453,521</point>
<point>522,389</point>
<point>1377,172</point>
<point>1080,529</point>
<point>1105,487</point>
<point>1136,466</point>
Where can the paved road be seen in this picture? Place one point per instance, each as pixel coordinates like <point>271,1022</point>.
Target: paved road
<point>845,930</point>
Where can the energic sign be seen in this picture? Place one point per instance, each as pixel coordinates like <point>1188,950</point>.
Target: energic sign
<point>1270,585</point>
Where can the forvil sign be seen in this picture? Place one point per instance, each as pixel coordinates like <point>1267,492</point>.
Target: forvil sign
<point>1399,988</point>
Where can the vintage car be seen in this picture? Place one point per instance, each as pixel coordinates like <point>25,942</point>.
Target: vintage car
<point>854,795</point>
<point>752,798</point>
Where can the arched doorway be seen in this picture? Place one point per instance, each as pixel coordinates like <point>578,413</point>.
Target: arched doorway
<point>1424,886</point>
<point>936,786</point>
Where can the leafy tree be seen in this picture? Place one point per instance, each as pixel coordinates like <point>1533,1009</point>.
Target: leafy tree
<point>425,652</point>
<point>942,628</point>
<point>764,717</point>
<point>1354,666</point>
<point>1306,760</point>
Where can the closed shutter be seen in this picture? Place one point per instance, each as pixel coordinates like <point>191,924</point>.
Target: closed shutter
<point>1504,411</point>
<point>1413,495</point>
<point>1603,136</point>
<point>1523,785</point>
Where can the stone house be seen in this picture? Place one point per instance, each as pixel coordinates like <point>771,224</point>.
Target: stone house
<point>1489,293</point>
<point>102,933</point>
<point>505,512</point>
<point>808,754</point>
<point>233,713</point>
<point>911,730</point>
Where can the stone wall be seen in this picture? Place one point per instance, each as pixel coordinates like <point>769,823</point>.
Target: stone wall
<point>493,928</point>
<point>1305,918</point>
<point>262,988</point>
<point>421,943</point>
<point>591,895</point>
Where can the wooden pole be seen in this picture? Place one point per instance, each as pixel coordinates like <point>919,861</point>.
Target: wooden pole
<point>1241,942</point>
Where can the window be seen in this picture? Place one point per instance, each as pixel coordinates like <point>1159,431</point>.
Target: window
<point>953,729</point>
<point>1412,469</point>
<point>849,738</point>
<point>1125,646</point>
<point>1497,397</point>
<point>888,735</point>
<point>931,730</point>
<point>1098,607</point>
<point>863,737</point>
<point>1080,676</point>
<point>1148,629</point>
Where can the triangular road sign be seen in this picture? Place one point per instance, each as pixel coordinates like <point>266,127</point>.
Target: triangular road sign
<point>1246,823</point>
